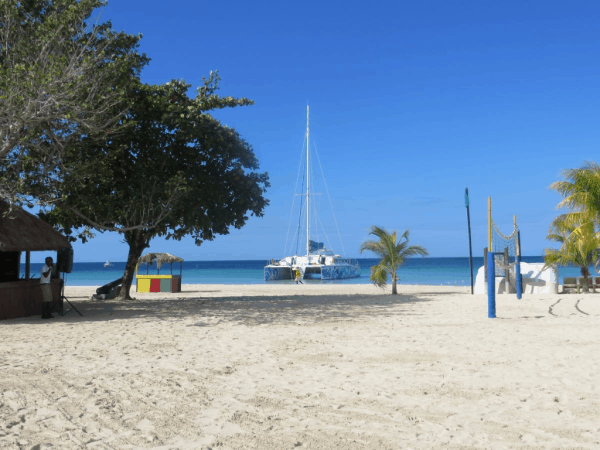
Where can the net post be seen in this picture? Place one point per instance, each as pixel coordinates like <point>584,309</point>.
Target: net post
<point>491,286</point>
<point>485,268</point>
<point>490,224</point>
<point>469,228</point>
<point>518,278</point>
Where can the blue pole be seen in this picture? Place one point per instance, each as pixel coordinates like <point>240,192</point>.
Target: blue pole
<point>469,227</point>
<point>491,286</point>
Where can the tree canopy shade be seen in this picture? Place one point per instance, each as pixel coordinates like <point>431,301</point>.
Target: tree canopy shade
<point>172,170</point>
<point>63,75</point>
<point>393,255</point>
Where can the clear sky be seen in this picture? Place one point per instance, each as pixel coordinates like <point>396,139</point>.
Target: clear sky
<point>411,102</point>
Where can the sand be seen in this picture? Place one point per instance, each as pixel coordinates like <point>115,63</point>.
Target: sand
<point>297,367</point>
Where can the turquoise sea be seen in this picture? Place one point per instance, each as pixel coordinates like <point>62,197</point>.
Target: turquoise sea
<point>435,271</point>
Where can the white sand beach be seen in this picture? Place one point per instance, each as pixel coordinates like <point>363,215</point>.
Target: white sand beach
<point>309,367</point>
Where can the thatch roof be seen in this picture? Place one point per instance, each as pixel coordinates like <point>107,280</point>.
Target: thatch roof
<point>160,258</point>
<point>22,231</point>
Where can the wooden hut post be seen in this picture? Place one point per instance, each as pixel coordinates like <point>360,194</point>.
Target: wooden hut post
<point>27,265</point>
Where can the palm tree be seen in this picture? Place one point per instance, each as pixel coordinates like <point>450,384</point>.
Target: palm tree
<point>580,245</point>
<point>577,231</point>
<point>392,255</point>
<point>581,192</point>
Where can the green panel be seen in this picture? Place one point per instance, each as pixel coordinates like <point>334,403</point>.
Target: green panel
<point>166,285</point>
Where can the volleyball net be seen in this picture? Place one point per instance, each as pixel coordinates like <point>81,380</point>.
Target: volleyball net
<point>506,251</point>
<point>506,247</point>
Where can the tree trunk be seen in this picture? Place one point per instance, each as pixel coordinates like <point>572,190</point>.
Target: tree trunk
<point>585,272</point>
<point>137,241</point>
<point>394,290</point>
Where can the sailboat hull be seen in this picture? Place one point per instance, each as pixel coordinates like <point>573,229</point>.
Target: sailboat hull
<point>339,272</point>
<point>313,272</point>
<point>277,273</point>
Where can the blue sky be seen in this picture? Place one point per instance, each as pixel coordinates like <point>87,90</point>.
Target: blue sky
<point>411,102</point>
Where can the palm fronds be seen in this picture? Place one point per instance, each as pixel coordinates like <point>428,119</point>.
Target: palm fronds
<point>577,231</point>
<point>379,275</point>
<point>581,194</point>
<point>392,254</point>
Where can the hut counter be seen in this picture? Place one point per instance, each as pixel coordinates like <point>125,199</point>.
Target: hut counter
<point>158,282</point>
<point>23,298</point>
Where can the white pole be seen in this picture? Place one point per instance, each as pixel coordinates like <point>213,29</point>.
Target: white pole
<point>307,181</point>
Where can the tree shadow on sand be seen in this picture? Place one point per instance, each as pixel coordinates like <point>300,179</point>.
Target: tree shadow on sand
<point>246,310</point>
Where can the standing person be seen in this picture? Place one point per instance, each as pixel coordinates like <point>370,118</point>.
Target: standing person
<point>298,276</point>
<point>47,288</point>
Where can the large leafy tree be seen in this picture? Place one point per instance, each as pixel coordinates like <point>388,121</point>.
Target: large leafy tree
<point>63,75</point>
<point>393,254</point>
<point>173,170</point>
<point>579,245</point>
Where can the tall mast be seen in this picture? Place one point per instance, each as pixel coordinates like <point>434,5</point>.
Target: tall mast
<point>307,181</point>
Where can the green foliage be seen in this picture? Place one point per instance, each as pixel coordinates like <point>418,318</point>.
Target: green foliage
<point>581,192</point>
<point>99,150</point>
<point>169,170</point>
<point>392,253</point>
<point>579,244</point>
<point>63,75</point>
<point>577,231</point>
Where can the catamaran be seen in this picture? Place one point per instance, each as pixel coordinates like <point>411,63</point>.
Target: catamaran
<point>318,262</point>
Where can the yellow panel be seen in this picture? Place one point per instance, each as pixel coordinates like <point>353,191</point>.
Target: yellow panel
<point>143,285</point>
<point>148,277</point>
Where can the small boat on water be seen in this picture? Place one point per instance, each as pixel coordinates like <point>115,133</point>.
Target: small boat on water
<point>108,264</point>
<point>319,262</point>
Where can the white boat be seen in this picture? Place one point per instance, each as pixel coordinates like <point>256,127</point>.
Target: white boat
<point>318,262</point>
<point>108,264</point>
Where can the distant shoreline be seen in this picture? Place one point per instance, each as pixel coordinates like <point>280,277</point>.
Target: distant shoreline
<point>204,261</point>
<point>446,271</point>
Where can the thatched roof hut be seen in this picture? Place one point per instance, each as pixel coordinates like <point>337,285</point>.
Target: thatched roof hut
<point>21,231</point>
<point>159,258</point>
<point>159,283</point>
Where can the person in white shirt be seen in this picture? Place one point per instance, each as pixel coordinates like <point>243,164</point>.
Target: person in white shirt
<point>47,288</point>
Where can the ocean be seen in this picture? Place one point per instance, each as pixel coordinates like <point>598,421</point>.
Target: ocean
<point>433,271</point>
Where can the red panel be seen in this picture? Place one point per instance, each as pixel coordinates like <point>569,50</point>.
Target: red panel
<point>155,285</point>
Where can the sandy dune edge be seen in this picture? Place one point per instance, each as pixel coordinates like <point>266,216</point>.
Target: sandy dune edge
<point>285,366</point>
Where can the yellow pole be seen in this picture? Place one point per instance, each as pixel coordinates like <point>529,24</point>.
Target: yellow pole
<point>490,224</point>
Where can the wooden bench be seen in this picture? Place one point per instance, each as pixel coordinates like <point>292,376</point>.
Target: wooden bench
<point>578,283</point>
<point>570,283</point>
